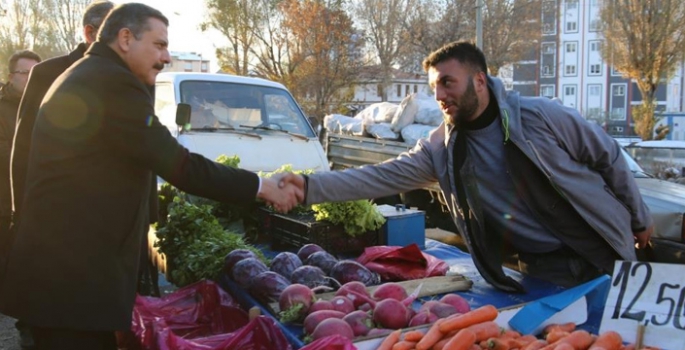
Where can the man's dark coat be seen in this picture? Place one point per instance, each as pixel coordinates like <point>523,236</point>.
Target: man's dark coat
<point>95,144</point>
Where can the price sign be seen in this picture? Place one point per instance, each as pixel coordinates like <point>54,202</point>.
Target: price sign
<point>647,294</point>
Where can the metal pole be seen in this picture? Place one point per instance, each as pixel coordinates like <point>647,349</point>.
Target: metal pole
<point>479,24</point>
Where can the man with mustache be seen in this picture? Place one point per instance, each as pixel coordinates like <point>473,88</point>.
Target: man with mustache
<point>72,270</point>
<point>521,174</point>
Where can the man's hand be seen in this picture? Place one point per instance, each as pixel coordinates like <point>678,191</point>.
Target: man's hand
<point>286,179</point>
<point>642,237</point>
<point>282,198</point>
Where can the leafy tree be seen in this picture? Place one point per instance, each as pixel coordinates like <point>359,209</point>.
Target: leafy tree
<point>645,41</point>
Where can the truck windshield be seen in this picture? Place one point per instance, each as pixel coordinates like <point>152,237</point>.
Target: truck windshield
<point>242,106</point>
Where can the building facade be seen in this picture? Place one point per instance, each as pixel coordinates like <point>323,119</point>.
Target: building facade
<point>369,89</point>
<point>568,65</point>
<point>187,62</point>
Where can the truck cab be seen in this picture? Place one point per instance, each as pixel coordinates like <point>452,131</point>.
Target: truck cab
<point>255,119</point>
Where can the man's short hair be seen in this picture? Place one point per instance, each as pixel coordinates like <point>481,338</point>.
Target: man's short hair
<point>465,52</point>
<point>28,54</point>
<point>133,16</point>
<point>96,12</point>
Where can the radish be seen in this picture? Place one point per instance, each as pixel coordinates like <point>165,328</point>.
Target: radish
<point>427,305</point>
<point>423,317</point>
<point>357,292</point>
<point>331,326</point>
<point>294,302</point>
<point>360,321</point>
<point>321,305</point>
<point>460,304</point>
<point>355,286</point>
<point>313,319</point>
<point>379,332</point>
<point>390,290</point>
<point>390,313</point>
<point>342,304</point>
<point>366,307</point>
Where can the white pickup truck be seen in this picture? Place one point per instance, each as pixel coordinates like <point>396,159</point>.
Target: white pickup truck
<point>256,119</point>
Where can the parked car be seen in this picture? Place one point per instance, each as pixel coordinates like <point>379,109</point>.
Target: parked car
<point>666,202</point>
<point>664,159</point>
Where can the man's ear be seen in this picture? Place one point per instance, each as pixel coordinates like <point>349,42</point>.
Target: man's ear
<point>481,81</point>
<point>124,39</point>
<point>90,33</point>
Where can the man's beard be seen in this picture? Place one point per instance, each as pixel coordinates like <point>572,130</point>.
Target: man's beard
<point>467,105</point>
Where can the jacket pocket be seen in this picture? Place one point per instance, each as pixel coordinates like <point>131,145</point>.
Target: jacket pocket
<point>543,166</point>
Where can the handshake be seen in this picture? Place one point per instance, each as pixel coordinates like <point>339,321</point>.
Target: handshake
<point>283,191</point>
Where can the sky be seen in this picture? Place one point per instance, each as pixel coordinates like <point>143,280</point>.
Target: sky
<point>185,35</point>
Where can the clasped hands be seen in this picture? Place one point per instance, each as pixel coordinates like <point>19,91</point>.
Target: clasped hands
<point>283,191</point>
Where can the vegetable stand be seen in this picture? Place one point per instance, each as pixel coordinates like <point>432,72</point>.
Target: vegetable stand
<point>480,294</point>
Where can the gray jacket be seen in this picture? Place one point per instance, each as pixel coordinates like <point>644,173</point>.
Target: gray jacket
<point>581,161</point>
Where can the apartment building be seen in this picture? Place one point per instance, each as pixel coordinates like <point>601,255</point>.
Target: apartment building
<point>369,88</point>
<point>187,62</point>
<point>568,65</point>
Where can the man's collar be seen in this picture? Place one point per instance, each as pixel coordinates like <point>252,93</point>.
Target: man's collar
<point>103,50</point>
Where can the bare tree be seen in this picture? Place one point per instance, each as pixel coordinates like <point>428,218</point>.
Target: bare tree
<point>510,29</point>
<point>66,22</point>
<point>644,41</point>
<point>382,22</point>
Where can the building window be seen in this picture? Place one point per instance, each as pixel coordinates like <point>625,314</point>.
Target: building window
<point>619,90</point>
<point>547,90</point>
<point>379,90</point>
<point>399,90</point>
<point>571,4</point>
<point>595,46</point>
<point>548,48</point>
<point>594,90</point>
<point>595,69</point>
<point>548,28</point>
<point>618,113</point>
<point>204,66</point>
<point>570,47</point>
<point>188,66</point>
<point>416,88</point>
<point>595,25</point>
<point>406,90</point>
<point>570,69</point>
<point>570,91</point>
<point>571,26</point>
<point>547,71</point>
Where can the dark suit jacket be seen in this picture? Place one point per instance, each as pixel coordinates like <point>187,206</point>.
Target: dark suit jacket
<point>42,76</point>
<point>96,141</point>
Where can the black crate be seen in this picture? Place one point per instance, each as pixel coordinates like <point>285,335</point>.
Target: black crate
<point>292,231</point>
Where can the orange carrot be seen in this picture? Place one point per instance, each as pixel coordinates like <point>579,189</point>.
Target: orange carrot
<point>629,347</point>
<point>462,341</point>
<point>580,340</point>
<point>564,346</point>
<point>475,347</point>
<point>432,336</point>
<point>523,341</point>
<point>500,343</point>
<point>404,345</point>
<point>485,330</point>
<point>390,340</point>
<point>441,344</point>
<point>481,314</point>
<point>536,345</point>
<point>555,335</point>
<point>511,334</point>
<point>414,336</point>
<point>566,327</point>
<point>609,340</point>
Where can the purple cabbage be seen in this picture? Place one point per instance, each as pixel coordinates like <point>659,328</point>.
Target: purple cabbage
<point>246,270</point>
<point>348,270</point>
<point>323,260</point>
<point>307,250</point>
<point>267,286</point>
<point>234,256</point>
<point>310,276</point>
<point>285,263</point>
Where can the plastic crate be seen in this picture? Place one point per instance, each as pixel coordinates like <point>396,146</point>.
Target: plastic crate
<point>292,231</point>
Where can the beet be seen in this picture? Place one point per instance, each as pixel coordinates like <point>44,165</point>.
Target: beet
<point>268,286</point>
<point>321,305</point>
<point>244,271</point>
<point>285,263</point>
<point>294,302</point>
<point>422,317</point>
<point>310,276</point>
<point>390,313</point>
<point>347,270</point>
<point>307,250</point>
<point>460,304</point>
<point>342,304</point>
<point>323,260</point>
<point>234,256</point>
<point>314,318</point>
<point>442,310</point>
<point>332,326</point>
<point>390,290</point>
<point>360,322</point>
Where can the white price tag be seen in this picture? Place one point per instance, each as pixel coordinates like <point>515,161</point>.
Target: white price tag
<point>648,294</point>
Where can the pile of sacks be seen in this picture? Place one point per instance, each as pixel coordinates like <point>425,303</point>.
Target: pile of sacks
<point>415,117</point>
